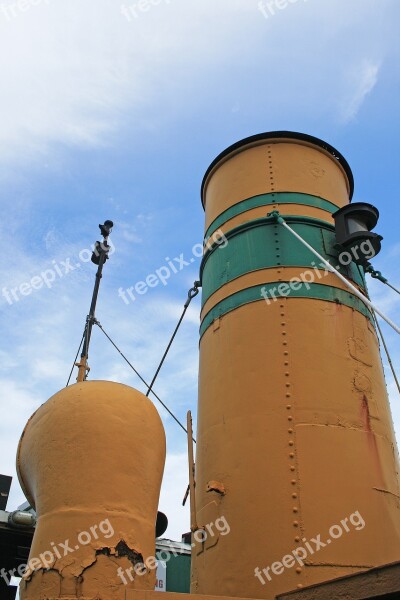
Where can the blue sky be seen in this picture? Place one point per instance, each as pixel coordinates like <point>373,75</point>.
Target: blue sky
<point>105,117</point>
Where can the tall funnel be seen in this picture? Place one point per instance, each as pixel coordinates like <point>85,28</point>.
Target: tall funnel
<point>90,461</point>
<point>295,438</point>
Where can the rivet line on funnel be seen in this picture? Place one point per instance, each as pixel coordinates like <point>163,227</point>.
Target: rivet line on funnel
<point>270,168</point>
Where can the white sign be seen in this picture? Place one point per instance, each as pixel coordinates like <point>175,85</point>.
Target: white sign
<point>161,576</point>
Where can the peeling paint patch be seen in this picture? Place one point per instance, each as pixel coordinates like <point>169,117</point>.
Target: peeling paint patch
<point>122,549</point>
<point>216,486</point>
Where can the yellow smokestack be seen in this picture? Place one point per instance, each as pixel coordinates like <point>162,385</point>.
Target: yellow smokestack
<point>294,434</point>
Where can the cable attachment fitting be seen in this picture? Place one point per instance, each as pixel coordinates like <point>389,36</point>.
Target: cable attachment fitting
<point>276,215</point>
<point>375,274</point>
<point>193,293</point>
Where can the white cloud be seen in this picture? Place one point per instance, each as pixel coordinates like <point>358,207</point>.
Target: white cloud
<point>75,73</point>
<point>70,68</point>
<point>175,482</point>
<point>129,233</point>
<point>19,404</point>
<point>364,81</point>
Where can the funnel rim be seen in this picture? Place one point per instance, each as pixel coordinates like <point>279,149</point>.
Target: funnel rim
<point>304,137</point>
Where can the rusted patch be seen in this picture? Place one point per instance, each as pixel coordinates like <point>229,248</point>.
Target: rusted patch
<point>216,486</point>
<point>366,419</point>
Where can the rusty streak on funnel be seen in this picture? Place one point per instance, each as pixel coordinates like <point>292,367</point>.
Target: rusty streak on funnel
<point>293,420</point>
<point>90,461</point>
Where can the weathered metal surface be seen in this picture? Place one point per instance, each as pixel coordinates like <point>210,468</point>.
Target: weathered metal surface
<point>296,167</point>
<point>258,206</point>
<point>90,461</point>
<point>261,244</point>
<point>293,418</point>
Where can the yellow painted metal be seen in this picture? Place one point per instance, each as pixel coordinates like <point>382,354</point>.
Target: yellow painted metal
<point>293,419</point>
<point>287,209</point>
<point>266,167</point>
<point>265,276</point>
<point>83,369</point>
<point>90,461</point>
<point>192,483</point>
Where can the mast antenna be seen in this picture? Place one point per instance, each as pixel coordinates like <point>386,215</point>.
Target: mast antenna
<point>99,257</point>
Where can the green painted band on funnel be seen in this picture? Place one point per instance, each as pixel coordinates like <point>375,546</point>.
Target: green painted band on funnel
<point>267,200</point>
<point>263,244</point>
<point>269,293</point>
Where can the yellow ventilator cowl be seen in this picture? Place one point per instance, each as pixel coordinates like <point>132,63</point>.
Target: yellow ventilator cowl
<point>90,461</point>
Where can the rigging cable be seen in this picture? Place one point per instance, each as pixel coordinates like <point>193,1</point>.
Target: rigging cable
<point>96,322</point>
<point>387,353</point>
<point>378,275</point>
<point>191,294</point>
<point>392,286</point>
<point>279,219</point>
